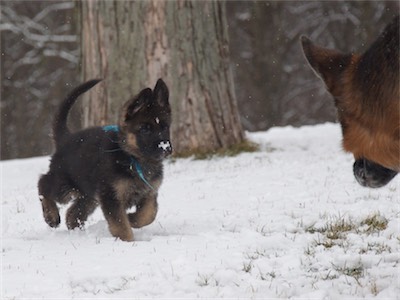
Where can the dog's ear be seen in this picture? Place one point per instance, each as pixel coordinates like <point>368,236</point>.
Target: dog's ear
<point>136,104</point>
<point>328,64</point>
<point>161,93</point>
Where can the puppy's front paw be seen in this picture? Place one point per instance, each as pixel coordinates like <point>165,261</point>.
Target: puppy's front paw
<point>127,238</point>
<point>73,222</point>
<point>74,218</point>
<point>52,220</point>
<point>50,212</point>
<point>122,232</point>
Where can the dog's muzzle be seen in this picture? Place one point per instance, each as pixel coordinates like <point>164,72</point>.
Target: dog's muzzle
<point>370,174</point>
<point>166,147</point>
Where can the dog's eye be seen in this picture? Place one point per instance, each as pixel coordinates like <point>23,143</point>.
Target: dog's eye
<point>145,129</point>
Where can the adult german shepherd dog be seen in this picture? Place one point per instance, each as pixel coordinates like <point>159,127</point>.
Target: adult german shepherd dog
<point>366,93</point>
<point>116,167</point>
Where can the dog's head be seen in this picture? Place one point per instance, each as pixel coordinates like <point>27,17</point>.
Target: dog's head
<point>145,124</point>
<point>366,94</point>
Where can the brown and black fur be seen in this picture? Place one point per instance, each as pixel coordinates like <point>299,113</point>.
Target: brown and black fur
<point>95,167</point>
<point>366,93</point>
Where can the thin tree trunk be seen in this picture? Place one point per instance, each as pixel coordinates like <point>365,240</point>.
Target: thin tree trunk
<point>132,44</point>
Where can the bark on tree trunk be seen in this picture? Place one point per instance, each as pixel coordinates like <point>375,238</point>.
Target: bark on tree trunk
<point>132,44</point>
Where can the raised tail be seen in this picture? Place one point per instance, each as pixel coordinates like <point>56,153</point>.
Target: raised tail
<point>60,129</point>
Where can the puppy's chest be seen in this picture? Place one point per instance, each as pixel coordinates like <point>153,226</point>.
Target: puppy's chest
<point>136,186</point>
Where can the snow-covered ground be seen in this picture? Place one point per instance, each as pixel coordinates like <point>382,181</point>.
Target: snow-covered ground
<point>289,221</point>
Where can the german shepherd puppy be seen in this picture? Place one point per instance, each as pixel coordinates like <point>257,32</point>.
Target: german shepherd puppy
<point>116,167</point>
<point>366,93</point>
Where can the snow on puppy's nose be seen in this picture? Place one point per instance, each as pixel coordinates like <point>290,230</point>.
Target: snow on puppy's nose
<point>166,146</point>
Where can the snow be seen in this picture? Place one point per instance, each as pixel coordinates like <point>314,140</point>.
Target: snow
<point>250,227</point>
<point>164,145</point>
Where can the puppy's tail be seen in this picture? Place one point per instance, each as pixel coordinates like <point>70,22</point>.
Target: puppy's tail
<point>60,129</point>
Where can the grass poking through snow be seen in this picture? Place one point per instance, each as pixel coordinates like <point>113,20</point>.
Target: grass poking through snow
<point>332,238</point>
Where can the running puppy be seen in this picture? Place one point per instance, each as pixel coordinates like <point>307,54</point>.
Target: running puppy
<point>366,93</point>
<point>116,167</point>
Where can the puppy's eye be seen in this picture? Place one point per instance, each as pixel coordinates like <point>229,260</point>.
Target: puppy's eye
<point>145,129</point>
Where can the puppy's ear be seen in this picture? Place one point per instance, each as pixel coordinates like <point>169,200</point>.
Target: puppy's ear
<point>161,93</point>
<point>136,104</point>
<point>328,64</point>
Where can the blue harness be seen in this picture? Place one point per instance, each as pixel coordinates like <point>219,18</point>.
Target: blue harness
<point>134,162</point>
<point>113,128</point>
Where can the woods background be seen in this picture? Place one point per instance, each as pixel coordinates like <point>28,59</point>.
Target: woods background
<point>41,61</point>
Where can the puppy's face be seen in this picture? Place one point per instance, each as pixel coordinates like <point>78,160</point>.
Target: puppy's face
<point>145,124</point>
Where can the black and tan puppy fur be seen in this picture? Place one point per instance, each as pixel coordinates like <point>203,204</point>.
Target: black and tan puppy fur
<point>366,89</point>
<point>116,169</point>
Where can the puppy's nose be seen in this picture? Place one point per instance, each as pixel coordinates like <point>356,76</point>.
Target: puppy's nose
<point>168,151</point>
<point>166,146</point>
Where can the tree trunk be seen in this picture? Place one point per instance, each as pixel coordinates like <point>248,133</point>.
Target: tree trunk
<point>132,44</point>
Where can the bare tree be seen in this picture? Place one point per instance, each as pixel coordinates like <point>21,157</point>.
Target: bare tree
<point>185,42</point>
<point>131,44</point>
<point>39,52</point>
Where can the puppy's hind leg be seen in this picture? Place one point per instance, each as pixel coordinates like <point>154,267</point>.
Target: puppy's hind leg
<point>46,196</point>
<point>79,211</point>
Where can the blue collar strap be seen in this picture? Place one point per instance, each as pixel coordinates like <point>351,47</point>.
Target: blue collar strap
<point>134,162</point>
<point>113,128</point>
<point>139,170</point>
